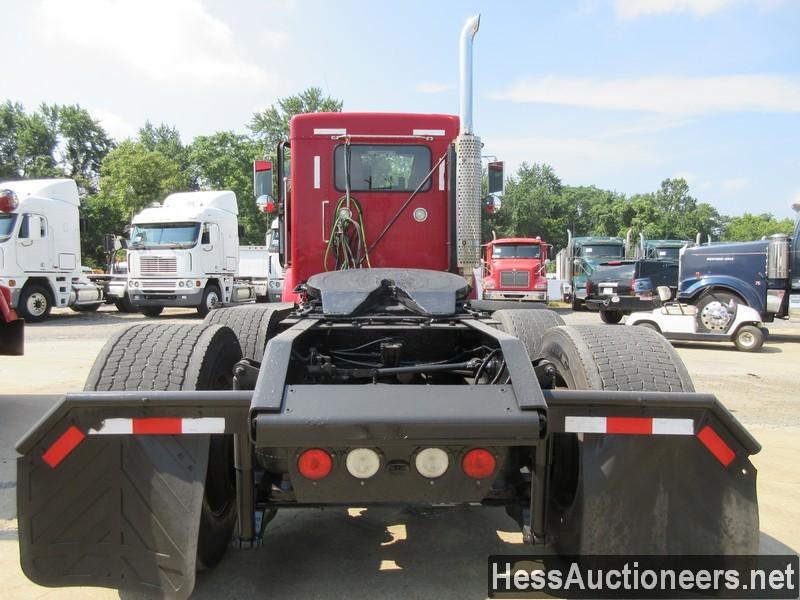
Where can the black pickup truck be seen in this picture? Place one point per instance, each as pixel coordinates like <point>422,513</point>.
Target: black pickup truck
<point>620,287</point>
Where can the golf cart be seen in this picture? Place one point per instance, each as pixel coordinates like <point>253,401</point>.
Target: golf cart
<point>716,322</point>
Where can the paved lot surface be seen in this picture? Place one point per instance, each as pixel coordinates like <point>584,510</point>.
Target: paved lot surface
<point>387,552</point>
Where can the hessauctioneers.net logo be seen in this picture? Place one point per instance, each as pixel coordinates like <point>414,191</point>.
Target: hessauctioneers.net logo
<point>692,576</point>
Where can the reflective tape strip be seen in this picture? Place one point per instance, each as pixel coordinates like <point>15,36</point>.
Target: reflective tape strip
<point>316,172</point>
<point>204,425</point>
<point>673,426</point>
<point>160,426</point>
<point>585,424</point>
<point>716,445</point>
<point>629,425</point>
<point>324,131</point>
<point>428,132</point>
<point>110,426</point>
<point>441,177</point>
<point>60,449</point>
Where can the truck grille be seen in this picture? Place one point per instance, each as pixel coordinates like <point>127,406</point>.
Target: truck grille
<point>521,279</point>
<point>158,264</point>
<point>159,284</point>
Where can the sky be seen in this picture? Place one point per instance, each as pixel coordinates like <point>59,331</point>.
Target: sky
<point>615,93</point>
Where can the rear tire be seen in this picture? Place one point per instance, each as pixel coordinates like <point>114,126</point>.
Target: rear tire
<point>749,338</point>
<point>576,305</point>
<point>253,324</point>
<point>35,303</point>
<point>611,317</point>
<point>495,305</point>
<point>528,325</point>
<point>149,357</point>
<point>151,311</point>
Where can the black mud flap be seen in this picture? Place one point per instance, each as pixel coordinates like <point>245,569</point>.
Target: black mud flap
<point>117,511</point>
<point>651,493</point>
<point>12,338</point>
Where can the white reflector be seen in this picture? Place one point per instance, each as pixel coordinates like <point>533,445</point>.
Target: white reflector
<point>432,462</point>
<point>363,463</point>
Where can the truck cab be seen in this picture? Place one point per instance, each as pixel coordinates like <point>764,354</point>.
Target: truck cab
<point>185,253</point>
<point>515,269</point>
<point>762,274</point>
<point>40,248</point>
<point>661,249</point>
<point>579,259</point>
<point>366,190</point>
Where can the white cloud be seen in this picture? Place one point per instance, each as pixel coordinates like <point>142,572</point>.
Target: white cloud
<point>796,202</point>
<point>576,159</point>
<point>117,127</point>
<point>666,95</point>
<point>737,183</point>
<point>633,9</point>
<point>432,87</point>
<point>175,42</point>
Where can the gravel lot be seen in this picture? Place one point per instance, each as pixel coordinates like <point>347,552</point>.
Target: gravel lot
<point>387,552</point>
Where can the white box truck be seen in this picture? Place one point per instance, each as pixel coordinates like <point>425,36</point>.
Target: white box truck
<point>40,248</point>
<point>185,252</point>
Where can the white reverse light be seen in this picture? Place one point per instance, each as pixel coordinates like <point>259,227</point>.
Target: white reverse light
<point>363,463</point>
<point>432,462</point>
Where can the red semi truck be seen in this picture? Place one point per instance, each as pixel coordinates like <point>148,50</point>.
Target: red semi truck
<point>381,383</point>
<point>515,269</point>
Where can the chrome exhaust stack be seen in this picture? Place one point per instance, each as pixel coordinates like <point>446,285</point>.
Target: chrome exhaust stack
<point>468,162</point>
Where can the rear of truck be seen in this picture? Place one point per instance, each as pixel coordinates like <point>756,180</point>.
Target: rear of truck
<point>384,386</point>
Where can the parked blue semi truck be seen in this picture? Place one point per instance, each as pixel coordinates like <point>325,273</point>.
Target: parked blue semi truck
<point>764,275</point>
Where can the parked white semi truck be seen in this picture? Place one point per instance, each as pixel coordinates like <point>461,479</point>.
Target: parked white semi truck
<point>40,248</point>
<point>185,253</point>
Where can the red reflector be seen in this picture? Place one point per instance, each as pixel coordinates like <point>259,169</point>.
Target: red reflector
<point>65,444</point>
<point>479,463</point>
<point>156,426</point>
<point>631,425</point>
<point>314,464</point>
<point>716,445</point>
<point>269,207</point>
<point>262,165</point>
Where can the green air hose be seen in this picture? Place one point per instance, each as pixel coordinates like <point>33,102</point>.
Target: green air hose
<point>347,242</point>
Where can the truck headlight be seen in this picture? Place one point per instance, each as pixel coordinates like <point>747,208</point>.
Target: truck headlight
<point>180,284</point>
<point>488,284</point>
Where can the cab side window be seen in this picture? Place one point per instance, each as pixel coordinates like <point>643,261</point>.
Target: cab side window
<point>32,227</point>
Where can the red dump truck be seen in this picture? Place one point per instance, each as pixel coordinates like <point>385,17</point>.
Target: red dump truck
<point>516,269</point>
<point>381,382</point>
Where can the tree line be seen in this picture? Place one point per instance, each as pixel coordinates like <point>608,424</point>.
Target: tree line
<point>537,202</point>
<point>117,179</point>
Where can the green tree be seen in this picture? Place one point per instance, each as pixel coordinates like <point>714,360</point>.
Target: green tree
<point>272,124</point>
<point>131,178</point>
<point>166,140</point>
<point>82,143</point>
<point>224,161</point>
<point>753,227</point>
<point>27,144</point>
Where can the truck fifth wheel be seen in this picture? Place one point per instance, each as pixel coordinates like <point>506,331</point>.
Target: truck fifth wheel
<point>379,383</point>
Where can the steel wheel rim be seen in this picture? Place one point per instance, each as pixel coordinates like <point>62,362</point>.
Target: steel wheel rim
<point>747,339</point>
<point>36,304</point>
<point>211,299</point>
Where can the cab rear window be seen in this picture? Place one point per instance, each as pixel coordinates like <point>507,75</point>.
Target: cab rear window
<point>382,167</point>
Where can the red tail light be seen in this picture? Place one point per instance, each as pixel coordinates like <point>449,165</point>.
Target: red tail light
<point>314,464</point>
<point>479,463</point>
